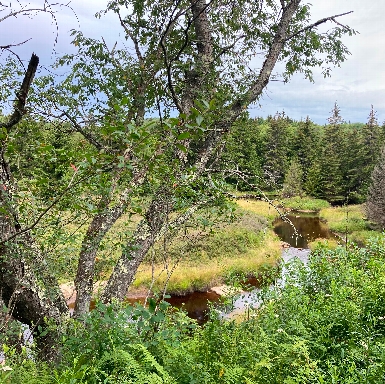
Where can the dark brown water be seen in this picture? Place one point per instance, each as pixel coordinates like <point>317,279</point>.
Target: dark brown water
<point>308,226</point>
<point>196,304</point>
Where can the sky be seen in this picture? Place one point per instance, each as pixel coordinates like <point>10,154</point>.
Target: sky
<point>355,86</point>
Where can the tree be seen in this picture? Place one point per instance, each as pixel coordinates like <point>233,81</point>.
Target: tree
<point>375,204</point>
<point>332,157</point>
<point>192,59</point>
<point>370,147</point>
<point>306,145</point>
<point>292,186</point>
<point>242,156</point>
<point>276,156</point>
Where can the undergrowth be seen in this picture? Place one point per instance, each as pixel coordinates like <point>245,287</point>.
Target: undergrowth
<point>326,324</point>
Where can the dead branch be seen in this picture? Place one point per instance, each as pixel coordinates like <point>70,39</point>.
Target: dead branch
<point>19,107</point>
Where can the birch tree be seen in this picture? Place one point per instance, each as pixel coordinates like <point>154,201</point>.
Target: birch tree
<point>196,65</point>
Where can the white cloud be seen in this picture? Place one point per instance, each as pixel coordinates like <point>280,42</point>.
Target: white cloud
<point>359,82</point>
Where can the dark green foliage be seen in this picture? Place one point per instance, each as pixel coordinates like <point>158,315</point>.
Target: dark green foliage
<point>368,152</point>
<point>243,154</point>
<point>325,325</point>
<point>375,205</point>
<point>276,156</point>
<point>335,160</point>
<point>332,158</point>
<point>292,185</point>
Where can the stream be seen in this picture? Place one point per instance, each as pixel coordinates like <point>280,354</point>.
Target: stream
<point>308,226</point>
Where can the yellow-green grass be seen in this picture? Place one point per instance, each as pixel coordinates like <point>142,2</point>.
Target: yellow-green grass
<point>305,203</point>
<point>324,243</point>
<point>259,207</point>
<point>201,275</point>
<point>240,248</point>
<point>348,221</point>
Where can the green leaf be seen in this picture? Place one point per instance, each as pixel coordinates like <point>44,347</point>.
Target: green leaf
<point>181,147</point>
<point>184,135</point>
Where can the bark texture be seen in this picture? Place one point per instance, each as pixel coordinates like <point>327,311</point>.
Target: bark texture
<point>29,291</point>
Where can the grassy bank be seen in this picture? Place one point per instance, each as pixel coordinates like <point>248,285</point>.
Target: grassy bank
<point>305,203</point>
<point>244,248</point>
<point>193,261</point>
<point>348,222</point>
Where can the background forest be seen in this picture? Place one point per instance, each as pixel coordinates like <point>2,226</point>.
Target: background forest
<point>332,162</point>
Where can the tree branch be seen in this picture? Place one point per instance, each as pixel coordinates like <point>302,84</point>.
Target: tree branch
<point>19,106</point>
<point>319,22</point>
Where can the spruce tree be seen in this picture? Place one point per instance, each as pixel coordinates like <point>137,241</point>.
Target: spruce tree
<point>276,155</point>
<point>332,163</point>
<point>370,140</point>
<point>292,185</point>
<point>375,205</point>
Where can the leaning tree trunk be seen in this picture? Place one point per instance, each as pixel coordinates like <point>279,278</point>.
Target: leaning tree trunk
<point>28,290</point>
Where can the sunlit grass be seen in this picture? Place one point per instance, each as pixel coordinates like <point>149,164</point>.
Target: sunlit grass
<point>305,203</point>
<point>324,243</point>
<point>348,221</point>
<point>240,248</point>
<point>259,207</point>
<point>201,275</point>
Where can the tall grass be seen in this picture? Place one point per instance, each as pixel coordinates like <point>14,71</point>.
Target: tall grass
<point>243,248</point>
<point>348,221</point>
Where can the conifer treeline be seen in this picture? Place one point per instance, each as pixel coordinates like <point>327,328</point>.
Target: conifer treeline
<point>333,162</point>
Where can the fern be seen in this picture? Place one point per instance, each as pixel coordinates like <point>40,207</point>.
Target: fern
<point>138,367</point>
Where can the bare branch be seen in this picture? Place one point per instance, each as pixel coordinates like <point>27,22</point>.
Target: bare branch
<point>42,214</point>
<point>14,45</point>
<point>319,22</point>
<point>133,38</point>
<point>85,134</point>
<point>19,107</point>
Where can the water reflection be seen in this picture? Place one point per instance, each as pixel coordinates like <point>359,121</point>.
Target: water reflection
<point>308,226</point>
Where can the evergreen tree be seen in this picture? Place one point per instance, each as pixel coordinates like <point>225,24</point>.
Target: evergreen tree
<point>292,185</point>
<point>307,146</point>
<point>332,158</point>
<point>243,151</point>
<point>276,154</point>
<point>313,185</point>
<point>375,205</point>
<point>370,140</point>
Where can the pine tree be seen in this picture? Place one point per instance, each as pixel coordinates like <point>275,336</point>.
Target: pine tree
<point>375,205</point>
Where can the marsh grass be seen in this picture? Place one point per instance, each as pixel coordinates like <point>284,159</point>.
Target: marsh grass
<point>243,248</point>
<point>259,207</point>
<point>198,259</point>
<point>305,203</point>
<point>324,244</point>
<point>211,270</point>
<point>348,221</point>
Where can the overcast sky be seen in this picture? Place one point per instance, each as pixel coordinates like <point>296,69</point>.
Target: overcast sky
<point>359,82</point>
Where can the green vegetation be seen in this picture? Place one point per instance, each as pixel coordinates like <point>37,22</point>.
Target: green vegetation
<point>95,191</point>
<point>326,325</point>
<point>305,203</point>
<point>244,248</point>
<point>348,221</point>
<point>332,162</point>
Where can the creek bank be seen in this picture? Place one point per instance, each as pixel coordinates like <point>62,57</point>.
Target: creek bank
<point>196,304</point>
